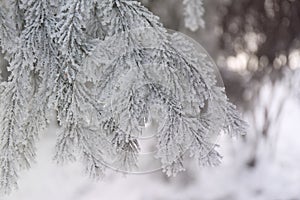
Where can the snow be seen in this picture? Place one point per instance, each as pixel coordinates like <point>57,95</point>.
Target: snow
<point>275,177</point>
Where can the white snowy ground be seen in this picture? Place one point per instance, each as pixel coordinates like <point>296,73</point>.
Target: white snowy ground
<point>275,178</point>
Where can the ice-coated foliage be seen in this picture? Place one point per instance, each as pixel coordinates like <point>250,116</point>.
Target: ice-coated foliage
<point>193,12</point>
<point>16,13</point>
<point>14,99</point>
<point>7,31</point>
<point>95,27</point>
<point>25,96</point>
<point>78,109</point>
<point>145,72</point>
<point>107,67</point>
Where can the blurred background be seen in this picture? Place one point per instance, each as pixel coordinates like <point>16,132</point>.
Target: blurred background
<point>256,45</point>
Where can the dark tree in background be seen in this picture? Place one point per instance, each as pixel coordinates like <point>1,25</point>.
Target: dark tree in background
<point>268,33</point>
<point>276,23</point>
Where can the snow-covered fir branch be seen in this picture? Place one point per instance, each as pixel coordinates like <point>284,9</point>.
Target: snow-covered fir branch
<point>25,97</point>
<point>95,27</point>
<point>151,68</point>
<point>107,67</point>
<point>78,109</point>
<point>42,56</point>
<point>7,30</point>
<point>194,12</point>
<point>14,99</point>
<point>14,14</point>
